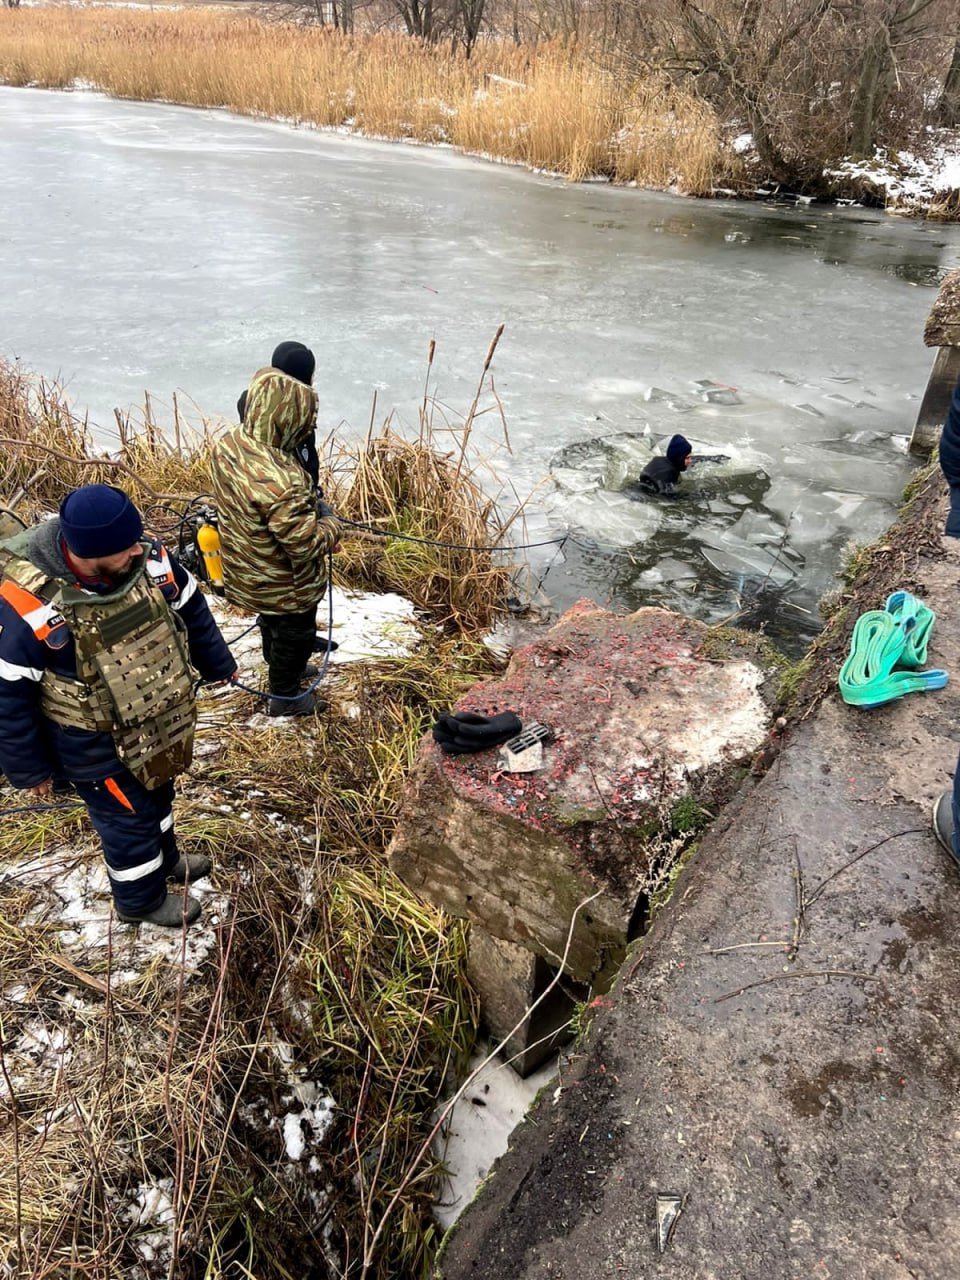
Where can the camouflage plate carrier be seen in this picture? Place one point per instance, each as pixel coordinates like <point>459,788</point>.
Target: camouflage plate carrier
<point>133,674</point>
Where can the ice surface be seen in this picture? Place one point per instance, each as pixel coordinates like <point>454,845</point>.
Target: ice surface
<point>226,235</point>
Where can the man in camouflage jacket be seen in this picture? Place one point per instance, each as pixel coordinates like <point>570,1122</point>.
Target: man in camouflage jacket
<point>273,541</point>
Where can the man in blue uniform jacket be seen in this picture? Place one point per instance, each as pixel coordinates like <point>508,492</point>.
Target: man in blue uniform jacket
<point>99,629</point>
<point>946,809</point>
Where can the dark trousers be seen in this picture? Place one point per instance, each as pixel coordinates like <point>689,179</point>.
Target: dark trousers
<point>287,640</point>
<point>952,529</point>
<point>135,827</point>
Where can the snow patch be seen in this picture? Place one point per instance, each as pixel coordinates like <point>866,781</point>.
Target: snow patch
<point>152,1210</point>
<point>479,1127</point>
<point>306,1125</point>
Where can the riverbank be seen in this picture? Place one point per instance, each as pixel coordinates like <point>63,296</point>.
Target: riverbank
<point>550,107</point>
<point>773,1077</point>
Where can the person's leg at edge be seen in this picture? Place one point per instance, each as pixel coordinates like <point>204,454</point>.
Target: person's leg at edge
<point>952,527</point>
<point>266,638</point>
<point>139,854</point>
<point>182,867</point>
<point>291,647</point>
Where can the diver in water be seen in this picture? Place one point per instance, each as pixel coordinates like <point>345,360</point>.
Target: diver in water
<point>662,474</point>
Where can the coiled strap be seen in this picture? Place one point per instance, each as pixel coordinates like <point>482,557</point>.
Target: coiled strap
<point>887,649</point>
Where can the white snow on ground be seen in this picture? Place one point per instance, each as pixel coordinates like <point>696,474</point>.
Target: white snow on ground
<point>308,1125</point>
<point>479,1126</point>
<point>312,1107</point>
<point>916,180</point>
<point>73,888</point>
<point>152,1210</point>
<point>365,625</point>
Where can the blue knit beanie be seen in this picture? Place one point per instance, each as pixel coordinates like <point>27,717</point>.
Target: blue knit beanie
<point>678,449</point>
<point>99,520</point>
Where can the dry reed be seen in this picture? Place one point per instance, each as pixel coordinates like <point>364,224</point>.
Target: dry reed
<point>547,106</point>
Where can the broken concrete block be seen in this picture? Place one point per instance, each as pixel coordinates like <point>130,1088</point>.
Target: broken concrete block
<point>649,711</point>
<point>509,979</point>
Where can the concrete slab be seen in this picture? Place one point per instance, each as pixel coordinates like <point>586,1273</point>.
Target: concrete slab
<point>648,709</point>
<point>782,1051</point>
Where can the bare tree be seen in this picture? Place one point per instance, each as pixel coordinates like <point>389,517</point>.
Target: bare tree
<point>470,15</point>
<point>887,35</point>
<point>949,107</point>
<point>751,58</point>
<point>418,17</point>
<point>812,80</point>
<point>339,14</point>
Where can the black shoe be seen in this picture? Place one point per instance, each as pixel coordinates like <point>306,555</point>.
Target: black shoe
<point>304,704</point>
<point>173,912</point>
<point>943,823</point>
<point>309,671</point>
<point>190,866</point>
<point>323,645</point>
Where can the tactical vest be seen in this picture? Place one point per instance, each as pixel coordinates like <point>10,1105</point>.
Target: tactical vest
<point>133,674</point>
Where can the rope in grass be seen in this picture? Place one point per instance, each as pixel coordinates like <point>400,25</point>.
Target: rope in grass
<point>451,546</point>
<point>41,808</point>
<point>887,648</point>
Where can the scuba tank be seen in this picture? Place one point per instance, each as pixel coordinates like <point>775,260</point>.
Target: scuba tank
<point>208,542</point>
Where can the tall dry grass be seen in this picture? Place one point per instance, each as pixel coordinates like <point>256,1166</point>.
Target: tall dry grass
<point>445,560</point>
<point>549,107</point>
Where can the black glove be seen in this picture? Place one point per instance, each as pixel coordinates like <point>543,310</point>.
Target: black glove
<point>324,510</point>
<point>466,732</point>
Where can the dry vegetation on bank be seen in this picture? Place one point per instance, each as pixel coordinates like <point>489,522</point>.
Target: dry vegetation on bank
<point>547,106</point>
<point>153,1095</point>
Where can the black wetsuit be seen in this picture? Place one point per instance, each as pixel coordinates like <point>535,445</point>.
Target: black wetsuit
<point>659,476</point>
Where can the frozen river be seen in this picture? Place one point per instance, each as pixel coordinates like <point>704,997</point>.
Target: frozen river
<point>152,247</point>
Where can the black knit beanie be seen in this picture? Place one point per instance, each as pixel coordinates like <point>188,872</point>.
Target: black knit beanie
<point>295,359</point>
<point>678,449</point>
<point>99,520</point>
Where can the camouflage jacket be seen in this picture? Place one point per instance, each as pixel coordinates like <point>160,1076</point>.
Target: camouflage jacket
<point>273,543</point>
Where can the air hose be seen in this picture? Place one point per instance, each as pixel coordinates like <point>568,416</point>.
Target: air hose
<point>887,649</point>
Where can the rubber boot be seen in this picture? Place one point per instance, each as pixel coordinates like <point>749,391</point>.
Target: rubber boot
<point>173,912</point>
<point>943,824</point>
<point>309,671</point>
<point>190,866</point>
<point>305,704</point>
<point>323,645</point>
